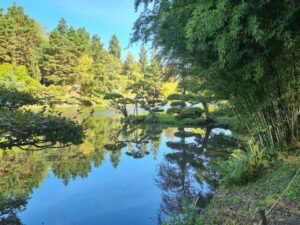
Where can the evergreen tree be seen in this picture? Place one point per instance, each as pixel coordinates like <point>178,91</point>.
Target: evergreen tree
<point>22,39</point>
<point>7,37</point>
<point>62,27</point>
<point>114,47</point>
<point>97,49</point>
<point>143,58</point>
<point>82,41</point>
<point>59,61</point>
<point>131,68</point>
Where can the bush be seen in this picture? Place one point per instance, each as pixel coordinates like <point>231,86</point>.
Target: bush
<point>157,110</point>
<point>179,104</point>
<point>173,111</point>
<point>86,101</point>
<point>194,112</point>
<point>244,166</point>
<point>17,77</point>
<point>152,118</point>
<point>173,97</point>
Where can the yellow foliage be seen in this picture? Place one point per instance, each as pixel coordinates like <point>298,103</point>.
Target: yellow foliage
<point>169,88</point>
<point>85,67</point>
<point>87,148</point>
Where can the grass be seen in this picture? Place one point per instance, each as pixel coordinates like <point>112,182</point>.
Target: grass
<point>239,204</point>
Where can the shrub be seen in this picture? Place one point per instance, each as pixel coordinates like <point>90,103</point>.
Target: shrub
<point>244,166</point>
<point>193,112</point>
<point>179,104</point>
<point>174,97</point>
<point>173,111</point>
<point>17,77</point>
<point>152,118</point>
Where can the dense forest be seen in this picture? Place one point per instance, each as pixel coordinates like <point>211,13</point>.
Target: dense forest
<point>70,65</point>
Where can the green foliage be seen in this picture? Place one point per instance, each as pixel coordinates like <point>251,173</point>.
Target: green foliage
<point>189,215</point>
<point>16,77</point>
<point>173,97</point>
<point>179,104</point>
<point>23,128</point>
<point>22,39</point>
<point>60,58</point>
<point>114,47</point>
<point>245,166</point>
<point>14,99</point>
<point>143,59</point>
<point>262,194</point>
<point>173,110</point>
<point>193,112</point>
<point>118,102</point>
<point>239,52</point>
<point>131,68</point>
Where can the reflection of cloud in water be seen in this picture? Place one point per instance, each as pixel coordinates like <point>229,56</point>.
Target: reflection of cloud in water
<point>219,131</point>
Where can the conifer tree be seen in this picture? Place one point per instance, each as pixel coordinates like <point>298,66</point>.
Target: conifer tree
<point>97,49</point>
<point>59,60</point>
<point>22,39</point>
<point>114,47</point>
<point>131,68</point>
<point>62,26</point>
<point>143,58</point>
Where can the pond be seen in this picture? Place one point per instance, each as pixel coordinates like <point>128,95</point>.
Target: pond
<point>120,175</point>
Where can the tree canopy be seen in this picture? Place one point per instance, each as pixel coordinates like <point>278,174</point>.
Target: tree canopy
<point>245,52</point>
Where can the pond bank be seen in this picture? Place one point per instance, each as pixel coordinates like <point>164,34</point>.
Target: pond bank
<point>240,204</point>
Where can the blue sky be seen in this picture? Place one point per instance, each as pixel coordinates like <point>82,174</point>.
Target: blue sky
<point>102,17</point>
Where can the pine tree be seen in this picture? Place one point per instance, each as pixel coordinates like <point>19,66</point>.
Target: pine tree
<point>97,49</point>
<point>59,62</point>
<point>131,68</point>
<point>82,41</point>
<point>62,27</point>
<point>143,58</point>
<point>114,47</point>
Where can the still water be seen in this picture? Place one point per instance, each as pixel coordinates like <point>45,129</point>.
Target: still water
<point>120,175</point>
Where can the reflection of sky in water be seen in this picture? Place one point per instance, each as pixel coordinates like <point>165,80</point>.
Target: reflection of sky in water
<point>218,131</point>
<point>127,194</point>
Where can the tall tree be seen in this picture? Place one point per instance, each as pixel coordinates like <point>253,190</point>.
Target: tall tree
<point>114,47</point>
<point>62,26</point>
<point>131,68</point>
<point>143,58</point>
<point>97,49</point>
<point>23,38</point>
<point>59,61</point>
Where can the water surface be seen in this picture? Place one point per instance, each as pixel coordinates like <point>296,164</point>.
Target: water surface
<point>119,175</point>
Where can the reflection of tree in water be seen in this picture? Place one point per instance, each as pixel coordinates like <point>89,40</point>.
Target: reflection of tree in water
<point>139,140</point>
<point>9,208</point>
<point>20,173</point>
<point>186,173</point>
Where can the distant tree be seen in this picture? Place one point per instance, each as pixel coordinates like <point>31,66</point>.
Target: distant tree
<point>148,89</point>
<point>114,47</point>
<point>62,27</point>
<point>61,56</point>
<point>97,50</point>
<point>131,68</point>
<point>143,59</point>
